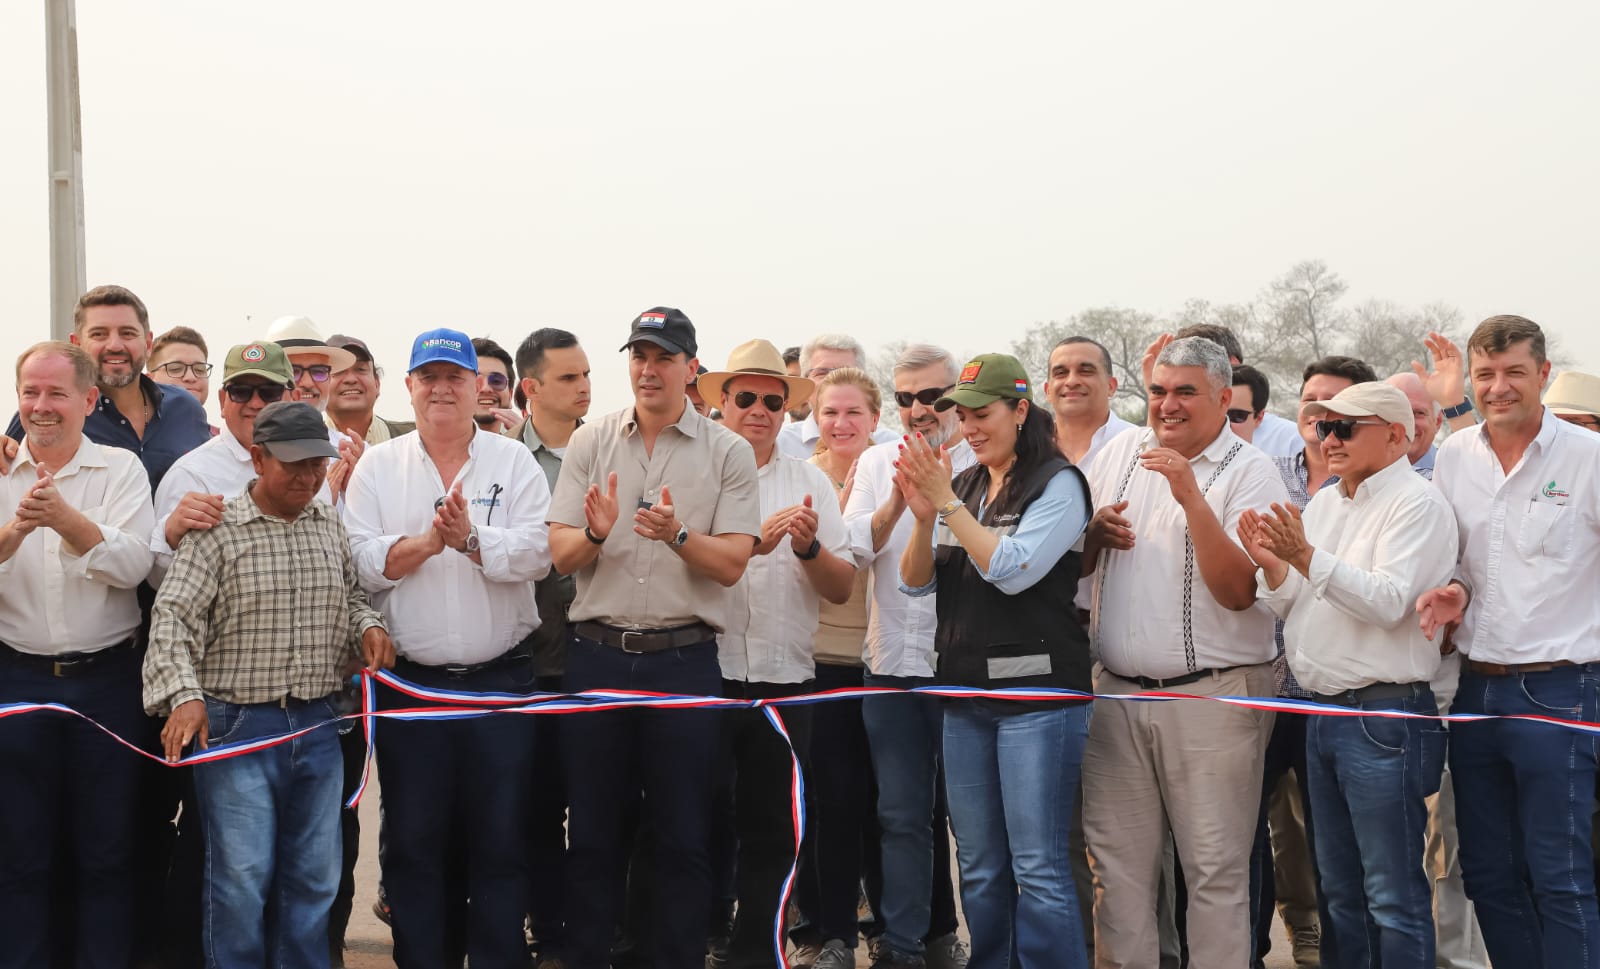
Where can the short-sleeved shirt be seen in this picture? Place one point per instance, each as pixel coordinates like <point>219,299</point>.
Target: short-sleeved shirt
<point>637,582</point>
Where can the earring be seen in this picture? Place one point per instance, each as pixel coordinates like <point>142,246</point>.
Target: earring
<point>1019,428</point>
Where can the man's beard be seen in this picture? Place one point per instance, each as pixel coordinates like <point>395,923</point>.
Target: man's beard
<point>117,381</point>
<point>940,434</point>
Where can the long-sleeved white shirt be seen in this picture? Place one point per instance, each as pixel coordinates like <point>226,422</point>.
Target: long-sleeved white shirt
<point>54,600</point>
<point>452,610</point>
<point>221,466</point>
<point>1530,544</point>
<point>1153,614</point>
<point>1353,622</point>
<point>772,609</point>
<point>900,628</point>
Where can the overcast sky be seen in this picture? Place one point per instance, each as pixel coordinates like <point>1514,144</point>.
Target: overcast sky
<point>939,171</point>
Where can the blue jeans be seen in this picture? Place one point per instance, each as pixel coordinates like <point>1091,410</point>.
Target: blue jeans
<point>905,734</point>
<point>1524,797</point>
<point>1012,779</point>
<point>65,784</point>
<point>1369,779</point>
<point>271,822</point>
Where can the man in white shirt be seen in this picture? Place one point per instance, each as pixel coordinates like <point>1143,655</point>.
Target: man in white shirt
<point>1175,610</point>
<point>821,356</point>
<point>1079,387</point>
<point>73,549</point>
<point>906,732</point>
<point>1527,621</point>
<point>765,651</point>
<point>447,525</point>
<point>1346,579</point>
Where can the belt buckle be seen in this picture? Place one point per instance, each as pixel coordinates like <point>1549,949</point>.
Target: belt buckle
<point>631,632</point>
<point>457,671</point>
<point>57,667</point>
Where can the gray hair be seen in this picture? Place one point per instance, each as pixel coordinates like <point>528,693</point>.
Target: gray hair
<point>1196,351</point>
<point>842,342</point>
<point>918,355</point>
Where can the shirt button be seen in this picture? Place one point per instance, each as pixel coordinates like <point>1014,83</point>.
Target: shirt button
<point>641,580</point>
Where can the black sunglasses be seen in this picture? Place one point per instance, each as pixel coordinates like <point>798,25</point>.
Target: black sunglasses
<point>1344,428</point>
<point>747,398</point>
<point>926,397</point>
<point>1239,416</point>
<point>241,393</point>
<point>497,381</point>
<point>319,371</point>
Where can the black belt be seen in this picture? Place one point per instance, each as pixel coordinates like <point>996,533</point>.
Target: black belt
<point>512,657</point>
<point>67,664</point>
<point>1152,683</point>
<point>645,640</point>
<point>1370,692</point>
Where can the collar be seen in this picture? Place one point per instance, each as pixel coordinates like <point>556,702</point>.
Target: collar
<point>1425,463</point>
<point>153,392</point>
<point>1218,448</point>
<point>530,435</point>
<point>810,430</point>
<point>688,423</point>
<point>235,447</point>
<point>88,455</point>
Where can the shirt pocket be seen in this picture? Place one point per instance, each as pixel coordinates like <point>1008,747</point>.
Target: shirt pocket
<point>1546,530</point>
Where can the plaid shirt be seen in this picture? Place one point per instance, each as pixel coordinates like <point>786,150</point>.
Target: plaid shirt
<point>255,609</point>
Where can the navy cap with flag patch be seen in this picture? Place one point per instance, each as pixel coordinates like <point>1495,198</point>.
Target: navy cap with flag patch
<point>667,328</point>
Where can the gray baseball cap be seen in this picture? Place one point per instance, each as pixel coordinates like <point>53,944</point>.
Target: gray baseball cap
<point>293,431</point>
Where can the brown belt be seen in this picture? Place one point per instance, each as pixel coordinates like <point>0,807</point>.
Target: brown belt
<point>1511,669</point>
<point>645,640</point>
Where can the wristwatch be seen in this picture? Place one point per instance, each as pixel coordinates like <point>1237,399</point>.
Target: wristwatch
<point>812,550</point>
<point>950,508</point>
<point>1465,407</point>
<point>681,537</point>
<point>472,542</point>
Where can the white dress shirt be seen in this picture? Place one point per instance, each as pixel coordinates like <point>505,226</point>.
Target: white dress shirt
<point>221,466</point>
<point>798,439</point>
<point>53,600</point>
<point>452,610</point>
<point>1113,426</point>
<point>1530,541</point>
<point>772,612</point>
<point>1153,614</point>
<point>1278,437</point>
<point>1353,622</point>
<point>900,628</point>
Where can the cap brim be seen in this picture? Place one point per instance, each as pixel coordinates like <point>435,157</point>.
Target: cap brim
<point>291,451</point>
<point>1322,408</point>
<point>659,341</point>
<point>1572,410</point>
<point>965,397</point>
<point>281,380</point>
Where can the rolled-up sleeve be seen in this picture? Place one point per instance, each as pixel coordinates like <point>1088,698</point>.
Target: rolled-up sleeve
<point>519,551</point>
<point>122,557</point>
<point>1048,529</point>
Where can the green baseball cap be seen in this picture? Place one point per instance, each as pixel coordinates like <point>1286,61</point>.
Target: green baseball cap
<point>259,359</point>
<point>986,379</point>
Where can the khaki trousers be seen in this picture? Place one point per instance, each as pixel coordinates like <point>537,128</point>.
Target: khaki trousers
<point>1191,767</point>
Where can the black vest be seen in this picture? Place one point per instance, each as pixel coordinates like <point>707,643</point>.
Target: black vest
<point>989,639</point>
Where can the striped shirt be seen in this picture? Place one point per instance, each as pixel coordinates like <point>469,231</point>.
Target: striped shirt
<point>255,609</point>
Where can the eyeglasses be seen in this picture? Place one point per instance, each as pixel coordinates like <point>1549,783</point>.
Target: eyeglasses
<point>176,370</point>
<point>497,381</point>
<point>926,397</point>
<point>241,393</point>
<point>1344,428</point>
<point>745,399</point>
<point>319,372</point>
<point>1239,416</point>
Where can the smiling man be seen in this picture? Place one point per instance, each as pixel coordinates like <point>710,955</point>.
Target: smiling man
<point>353,400</point>
<point>1174,599</point>
<point>496,372</point>
<point>1079,387</point>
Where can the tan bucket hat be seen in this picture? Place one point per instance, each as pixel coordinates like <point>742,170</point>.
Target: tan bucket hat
<point>757,357</point>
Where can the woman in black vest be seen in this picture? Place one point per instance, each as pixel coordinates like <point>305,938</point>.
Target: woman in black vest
<point>996,546</point>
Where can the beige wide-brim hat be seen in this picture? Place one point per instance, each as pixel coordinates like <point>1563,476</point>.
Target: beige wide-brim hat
<point>1574,393</point>
<point>300,337</point>
<point>755,358</point>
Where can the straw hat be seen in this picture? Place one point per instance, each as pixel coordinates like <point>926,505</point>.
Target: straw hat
<point>756,357</point>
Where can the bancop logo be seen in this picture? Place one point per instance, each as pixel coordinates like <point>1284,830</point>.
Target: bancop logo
<point>437,341</point>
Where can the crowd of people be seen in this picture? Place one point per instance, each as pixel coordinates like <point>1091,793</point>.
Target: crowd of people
<point>755,532</point>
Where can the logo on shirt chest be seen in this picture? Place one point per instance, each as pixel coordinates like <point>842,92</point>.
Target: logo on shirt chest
<point>1551,491</point>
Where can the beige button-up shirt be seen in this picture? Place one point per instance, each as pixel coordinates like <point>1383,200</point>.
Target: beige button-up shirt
<point>636,582</point>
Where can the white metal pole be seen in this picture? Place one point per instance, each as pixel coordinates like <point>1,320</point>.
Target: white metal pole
<point>68,278</point>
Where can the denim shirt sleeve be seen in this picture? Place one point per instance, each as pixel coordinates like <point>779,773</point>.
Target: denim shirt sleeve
<point>1049,528</point>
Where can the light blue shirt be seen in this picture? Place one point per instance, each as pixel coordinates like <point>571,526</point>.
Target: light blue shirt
<point>1048,530</point>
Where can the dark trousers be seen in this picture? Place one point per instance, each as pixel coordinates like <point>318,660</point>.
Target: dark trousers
<point>841,848</point>
<point>471,776</point>
<point>754,774</point>
<point>1286,751</point>
<point>64,782</point>
<point>353,749</point>
<point>547,831</point>
<point>610,757</point>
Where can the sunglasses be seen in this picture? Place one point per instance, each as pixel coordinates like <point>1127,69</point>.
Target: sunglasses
<point>497,381</point>
<point>1343,429</point>
<point>1238,416</point>
<point>176,370</point>
<point>241,393</point>
<point>747,398</point>
<point>319,372</point>
<point>926,397</point>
